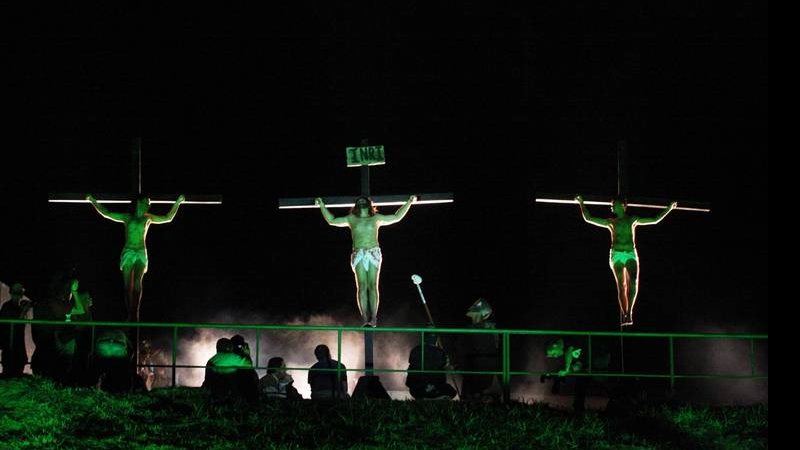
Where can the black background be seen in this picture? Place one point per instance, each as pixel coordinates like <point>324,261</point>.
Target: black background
<point>494,105</point>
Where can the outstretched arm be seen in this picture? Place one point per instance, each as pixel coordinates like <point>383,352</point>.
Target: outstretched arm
<point>588,217</point>
<point>658,218</point>
<point>171,214</point>
<point>116,217</point>
<point>398,216</point>
<point>328,216</point>
<point>79,300</point>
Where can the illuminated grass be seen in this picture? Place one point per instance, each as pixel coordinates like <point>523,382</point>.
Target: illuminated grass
<point>36,414</point>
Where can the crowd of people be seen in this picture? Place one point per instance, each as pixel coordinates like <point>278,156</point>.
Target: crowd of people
<point>73,355</point>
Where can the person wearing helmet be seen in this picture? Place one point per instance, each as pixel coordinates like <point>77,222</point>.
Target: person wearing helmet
<point>481,353</point>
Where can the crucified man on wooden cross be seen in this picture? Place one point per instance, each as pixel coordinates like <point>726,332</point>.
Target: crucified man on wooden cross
<point>623,257</point>
<point>366,258</point>
<point>133,260</point>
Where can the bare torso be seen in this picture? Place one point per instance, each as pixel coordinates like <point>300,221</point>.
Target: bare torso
<point>136,232</point>
<point>364,230</point>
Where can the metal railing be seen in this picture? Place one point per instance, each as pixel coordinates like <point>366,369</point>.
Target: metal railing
<point>505,371</point>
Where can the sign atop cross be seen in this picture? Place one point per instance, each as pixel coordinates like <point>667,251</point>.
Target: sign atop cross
<point>365,156</point>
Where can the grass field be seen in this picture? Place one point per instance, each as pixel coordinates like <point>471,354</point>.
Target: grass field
<point>36,414</point>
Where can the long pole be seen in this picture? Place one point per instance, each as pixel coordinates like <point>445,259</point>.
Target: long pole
<point>417,280</point>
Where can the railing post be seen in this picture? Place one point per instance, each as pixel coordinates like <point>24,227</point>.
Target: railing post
<point>506,367</point>
<point>422,341</point>
<point>338,360</point>
<point>752,357</point>
<point>174,354</point>
<point>671,363</point>
<point>589,353</point>
<point>258,344</point>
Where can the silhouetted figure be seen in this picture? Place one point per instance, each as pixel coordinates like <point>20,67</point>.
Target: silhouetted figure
<point>425,385</point>
<point>12,337</point>
<point>572,358</point>
<point>327,384</point>
<point>114,363</point>
<point>55,306</point>
<point>241,347</point>
<point>277,383</point>
<point>481,352</point>
<point>230,376</point>
<point>74,343</point>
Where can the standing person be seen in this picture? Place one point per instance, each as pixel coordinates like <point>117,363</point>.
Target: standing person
<point>12,337</point>
<point>481,352</point>
<point>55,306</point>
<point>77,339</point>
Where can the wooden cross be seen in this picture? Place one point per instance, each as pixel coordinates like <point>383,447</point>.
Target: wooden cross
<point>622,193</point>
<point>365,156</point>
<point>136,190</point>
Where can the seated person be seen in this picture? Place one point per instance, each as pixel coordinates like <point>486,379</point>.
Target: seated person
<point>113,362</point>
<point>424,385</point>
<point>325,384</point>
<point>277,383</point>
<point>241,347</point>
<point>230,375</point>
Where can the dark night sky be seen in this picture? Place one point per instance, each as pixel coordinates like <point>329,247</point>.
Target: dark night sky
<point>493,105</point>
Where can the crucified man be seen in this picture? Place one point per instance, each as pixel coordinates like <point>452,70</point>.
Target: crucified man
<point>623,258</point>
<point>365,260</point>
<point>133,260</point>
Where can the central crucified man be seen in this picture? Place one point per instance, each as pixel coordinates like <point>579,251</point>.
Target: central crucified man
<point>366,258</point>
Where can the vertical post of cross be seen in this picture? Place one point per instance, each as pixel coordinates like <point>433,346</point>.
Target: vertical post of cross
<point>131,197</point>
<point>136,166</point>
<point>622,169</point>
<point>365,172</point>
<point>365,156</point>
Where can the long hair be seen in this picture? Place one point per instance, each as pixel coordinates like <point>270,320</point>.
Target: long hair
<point>372,209</point>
